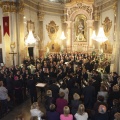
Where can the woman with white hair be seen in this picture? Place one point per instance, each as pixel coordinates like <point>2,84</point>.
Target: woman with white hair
<point>81,114</point>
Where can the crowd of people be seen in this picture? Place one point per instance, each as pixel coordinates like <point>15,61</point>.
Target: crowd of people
<point>75,87</point>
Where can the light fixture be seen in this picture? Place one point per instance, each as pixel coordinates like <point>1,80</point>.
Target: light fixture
<point>62,37</point>
<point>93,35</point>
<point>30,39</point>
<point>101,35</point>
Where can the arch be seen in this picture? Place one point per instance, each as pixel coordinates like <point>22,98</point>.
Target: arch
<point>77,12</point>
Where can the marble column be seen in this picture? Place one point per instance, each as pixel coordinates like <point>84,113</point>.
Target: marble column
<point>21,35</point>
<point>69,37</point>
<point>89,32</point>
<point>116,54</point>
<point>41,43</point>
<point>13,10</point>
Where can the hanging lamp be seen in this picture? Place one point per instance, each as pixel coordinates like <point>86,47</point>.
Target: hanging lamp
<point>31,39</point>
<point>62,37</point>
<point>101,37</point>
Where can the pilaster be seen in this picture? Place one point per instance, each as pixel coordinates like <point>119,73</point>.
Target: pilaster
<point>89,32</point>
<point>41,43</point>
<point>69,39</point>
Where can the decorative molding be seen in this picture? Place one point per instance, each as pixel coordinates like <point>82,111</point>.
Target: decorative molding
<point>30,26</point>
<point>52,29</point>
<point>79,8</point>
<point>107,24</point>
<point>40,16</point>
<point>107,47</point>
<point>8,6</point>
<point>80,1</point>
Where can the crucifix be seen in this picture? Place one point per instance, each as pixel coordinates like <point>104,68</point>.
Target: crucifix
<point>12,53</point>
<point>12,45</point>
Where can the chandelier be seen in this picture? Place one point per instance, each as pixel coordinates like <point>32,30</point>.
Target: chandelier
<point>93,35</point>
<point>101,37</point>
<point>62,37</point>
<point>30,39</point>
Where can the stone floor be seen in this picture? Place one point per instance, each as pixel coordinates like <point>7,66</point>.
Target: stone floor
<point>24,109</point>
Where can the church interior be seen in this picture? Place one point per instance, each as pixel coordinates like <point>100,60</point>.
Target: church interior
<point>58,26</point>
<point>38,29</point>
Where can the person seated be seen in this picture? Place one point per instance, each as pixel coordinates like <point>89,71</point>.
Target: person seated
<point>81,114</point>
<point>75,103</point>
<point>35,111</point>
<point>52,114</point>
<point>66,114</point>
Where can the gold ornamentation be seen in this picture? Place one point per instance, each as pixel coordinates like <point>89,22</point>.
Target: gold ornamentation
<point>107,47</point>
<point>8,6</point>
<point>52,30</point>
<point>88,9</point>
<point>30,26</point>
<point>40,16</point>
<point>80,28</point>
<point>53,46</point>
<point>107,25</point>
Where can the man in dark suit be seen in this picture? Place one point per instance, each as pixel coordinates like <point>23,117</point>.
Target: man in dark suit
<point>31,85</point>
<point>89,95</point>
<point>55,90</point>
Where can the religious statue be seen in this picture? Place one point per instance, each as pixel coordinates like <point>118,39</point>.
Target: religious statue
<point>80,30</point>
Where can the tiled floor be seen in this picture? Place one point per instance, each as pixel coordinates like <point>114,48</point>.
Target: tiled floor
<point>22,109</point>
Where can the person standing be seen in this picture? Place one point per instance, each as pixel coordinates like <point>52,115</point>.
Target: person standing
<point>31,85</point>
<point>3,98</point>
